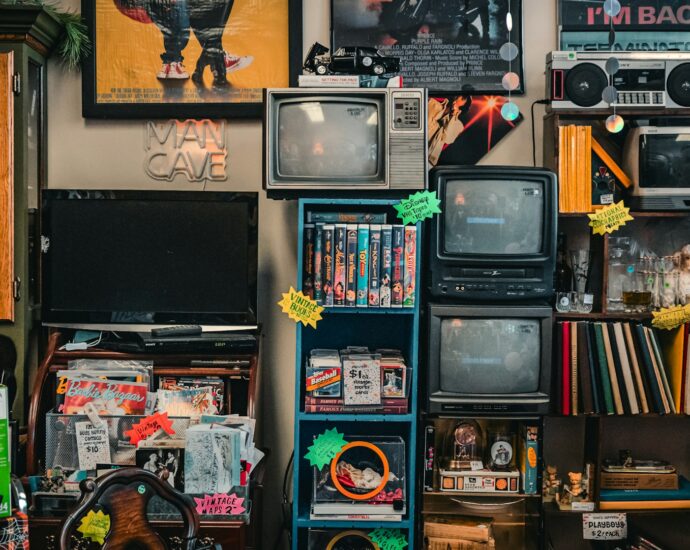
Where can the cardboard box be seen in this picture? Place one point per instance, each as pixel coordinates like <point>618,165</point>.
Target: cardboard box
<point>529,459</point>
<point>627,480</point>
<point>5,466</point>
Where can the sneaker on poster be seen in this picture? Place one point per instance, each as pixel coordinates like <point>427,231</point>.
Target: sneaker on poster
<point>234,63</point>
<point>173,71</point>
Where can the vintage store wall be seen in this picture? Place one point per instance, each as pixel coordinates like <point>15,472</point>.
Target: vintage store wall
<point>110,154</point>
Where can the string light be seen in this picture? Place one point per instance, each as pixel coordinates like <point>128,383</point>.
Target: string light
<point>510,81</point>
<point>614,123</point>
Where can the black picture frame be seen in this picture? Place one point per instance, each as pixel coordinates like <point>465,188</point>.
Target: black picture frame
<point>390,10</point>
<point>91,108</point>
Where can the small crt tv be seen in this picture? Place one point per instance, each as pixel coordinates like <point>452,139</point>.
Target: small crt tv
<point>489,360</point>
<point>657,159</point>
<point>496,237</point>
<point>344,139</point>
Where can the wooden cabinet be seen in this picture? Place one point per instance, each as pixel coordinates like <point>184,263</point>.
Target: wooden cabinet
<point>27,34</point>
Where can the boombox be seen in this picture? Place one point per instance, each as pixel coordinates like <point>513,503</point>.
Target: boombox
<point>576,80</point>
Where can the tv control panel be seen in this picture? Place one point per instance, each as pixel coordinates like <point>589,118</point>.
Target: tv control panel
<point>493,290</point>
<point>406,113</point>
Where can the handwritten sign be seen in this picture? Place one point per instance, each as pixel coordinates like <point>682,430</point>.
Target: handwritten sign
<point>95,526</point>
<point>669,318</point>
<point>361,382</point>
<point>610,218</point>
<point>93,446</point>
<point>388,539</point>
<point>301,308</point>
<point>604,526</point>
<point>325,447</point>
<point>220,504</point>
<point>420,205</point>
<point>149,426</point>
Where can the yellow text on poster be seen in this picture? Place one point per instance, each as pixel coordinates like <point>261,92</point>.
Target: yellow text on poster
<point>301,308</point>
<point>610,218</point>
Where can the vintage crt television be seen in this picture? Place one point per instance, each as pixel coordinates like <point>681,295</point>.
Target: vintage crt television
<point>657,159</point>
<point>489,359</point>
<point>496,237</point>
<point>344,139</point>
<point>149,258</point>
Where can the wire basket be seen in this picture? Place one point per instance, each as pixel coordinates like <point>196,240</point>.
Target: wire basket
<point>61,438</point>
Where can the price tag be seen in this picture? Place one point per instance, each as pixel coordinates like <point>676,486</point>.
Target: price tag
<point>325,447</point>
<point>669,318</point>
<point>301,308</point>
<point>93,446</point>
<point>220,504</point>
<point>418,206</point>
<point>361,382</point>
<point>148,426</point>
<point>388,539</point>
<point>95,526</point>
<point>476,465</point>
<point>610,218</point>
<point>604,526</point>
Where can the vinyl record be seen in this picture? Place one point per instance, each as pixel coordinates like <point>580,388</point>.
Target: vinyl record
<point>346,540</point>
<point>678,84</point>
<point>584,84</point>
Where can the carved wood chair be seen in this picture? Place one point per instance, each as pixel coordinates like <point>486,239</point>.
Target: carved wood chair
<point>124,494</point>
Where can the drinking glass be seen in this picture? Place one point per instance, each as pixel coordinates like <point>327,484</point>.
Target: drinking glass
<point>579,261</point>
<point>619,250</point>
<point>637,293</point>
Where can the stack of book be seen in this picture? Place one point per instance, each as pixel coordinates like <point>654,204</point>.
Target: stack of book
<point>646,499</point>
<point>358,260</point>
<point>454,533</point>
<point>620,368</point>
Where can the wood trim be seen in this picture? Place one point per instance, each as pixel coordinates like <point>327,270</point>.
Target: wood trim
<point>30,40</point>
<point>6,187</point>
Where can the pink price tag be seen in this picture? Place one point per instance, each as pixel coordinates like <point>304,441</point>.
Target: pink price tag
<point>220,504</point>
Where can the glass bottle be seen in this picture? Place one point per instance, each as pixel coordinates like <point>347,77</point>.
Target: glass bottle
<point>617,272</point>
<point>564,274</point>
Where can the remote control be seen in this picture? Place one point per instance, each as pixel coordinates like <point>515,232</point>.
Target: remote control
<point>179,330</point>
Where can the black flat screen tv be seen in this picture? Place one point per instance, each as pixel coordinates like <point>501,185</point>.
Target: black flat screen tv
<point>149,257</point>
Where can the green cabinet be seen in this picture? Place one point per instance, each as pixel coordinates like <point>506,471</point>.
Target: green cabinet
<point>27,35</point>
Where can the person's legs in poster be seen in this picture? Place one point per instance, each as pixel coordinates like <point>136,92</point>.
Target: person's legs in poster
<point>208,19</point>
<point>172,19</point>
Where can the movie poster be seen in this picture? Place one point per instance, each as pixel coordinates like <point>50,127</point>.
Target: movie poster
<point>462,129</point>
<point>641,25</point>
<point>187,51</point>
<point>444,45</point>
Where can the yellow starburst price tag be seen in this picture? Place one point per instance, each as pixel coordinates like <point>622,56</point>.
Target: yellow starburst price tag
<point>669,318</point>
<point>301,308</point>
<point>95,526</point>
<point>609,218</point>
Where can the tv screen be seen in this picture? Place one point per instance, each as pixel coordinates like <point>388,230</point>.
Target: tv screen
<point>330,139</point>
<point>665,161</point>
<point>493,216</point>
<point>490,356</point>
<point>149,257</point>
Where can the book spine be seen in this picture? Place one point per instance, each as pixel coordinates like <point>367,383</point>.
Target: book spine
<point>649,370</point>
<point>596,393</point>
<point>565,407</point>
<point>584,381</point>
<point>635,363</point>
<point>374,265</point>
<point>397,266</point>
<point>362,265</point>
<point>603,369</point>
<point>615,389</point>
<point>351,266</point>
<point>339,244</point>
<point>386,257</point>
<point>318,263</point>
<point>386,409</point>
<point>347,217</point>
<point>410,276</point>
<point>625,367</point>
<point>618,368</point>
<point>573,369</point>
<point>308,261</point>
<point>657,371</point>
<point>662,370</point>
<point>327,269</point>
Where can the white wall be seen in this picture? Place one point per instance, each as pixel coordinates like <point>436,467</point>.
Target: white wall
<point>109,154</point>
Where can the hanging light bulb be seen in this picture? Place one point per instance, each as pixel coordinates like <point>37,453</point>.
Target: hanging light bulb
<point>509,21</point>
<point>614,123</point>
<point>510,111</point>
<point>612,7</point>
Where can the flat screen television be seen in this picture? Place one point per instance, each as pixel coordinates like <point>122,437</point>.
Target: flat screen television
<point>149,257</point>
<point>496,237</point>
<point>489,360</point>
<point>344,139</point>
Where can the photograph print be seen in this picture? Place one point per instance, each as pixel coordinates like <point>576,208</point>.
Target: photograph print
<point>188,58</point>
<point>166,463</point>
<point>448,46</point>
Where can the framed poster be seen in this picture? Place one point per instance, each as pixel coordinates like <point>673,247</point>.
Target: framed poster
<point>448,46</point>
<point>641,25</point>
<point>188,58</point>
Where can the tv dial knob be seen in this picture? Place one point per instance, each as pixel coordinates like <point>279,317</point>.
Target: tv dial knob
<point>460,288</point>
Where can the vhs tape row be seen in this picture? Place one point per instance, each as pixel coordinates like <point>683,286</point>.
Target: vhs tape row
<point>359,264</point>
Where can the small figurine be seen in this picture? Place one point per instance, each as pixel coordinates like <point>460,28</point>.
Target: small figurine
<point>349,60</point>
<point>551,483</point>
<point>575,479</point>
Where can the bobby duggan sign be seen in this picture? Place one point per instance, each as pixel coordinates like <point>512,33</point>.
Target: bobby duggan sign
<point>193,149</point>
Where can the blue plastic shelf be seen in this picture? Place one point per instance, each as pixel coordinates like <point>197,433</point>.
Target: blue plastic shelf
<point>336,417</point>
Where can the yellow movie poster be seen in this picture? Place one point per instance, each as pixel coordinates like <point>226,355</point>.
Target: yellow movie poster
<point>162,53</point>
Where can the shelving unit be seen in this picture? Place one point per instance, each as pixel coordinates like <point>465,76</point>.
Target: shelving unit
<point>570,441</point>
<point>342,326</point>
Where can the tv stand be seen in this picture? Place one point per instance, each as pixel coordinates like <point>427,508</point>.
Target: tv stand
<point>241,369</point>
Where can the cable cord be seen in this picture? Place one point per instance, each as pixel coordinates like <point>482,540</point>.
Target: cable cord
<point>285,507</point>
<point>534,131</point>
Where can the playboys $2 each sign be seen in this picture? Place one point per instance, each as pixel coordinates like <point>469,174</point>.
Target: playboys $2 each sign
<point>604,526</point>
